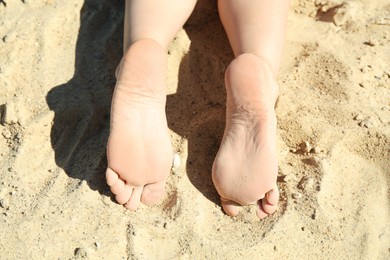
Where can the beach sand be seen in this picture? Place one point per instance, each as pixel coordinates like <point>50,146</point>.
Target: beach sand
<point>57,63</point>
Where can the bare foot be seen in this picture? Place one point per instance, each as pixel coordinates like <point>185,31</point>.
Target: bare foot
<point>139,150</point>
<point>245,168</point>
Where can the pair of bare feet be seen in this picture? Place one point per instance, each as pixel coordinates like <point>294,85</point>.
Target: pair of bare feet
<point>139,150</point>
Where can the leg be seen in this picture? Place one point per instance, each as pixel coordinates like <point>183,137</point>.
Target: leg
<point>159,20</point>
<point>139,150</point>
<point>245,168</point>
<point>256,27</point>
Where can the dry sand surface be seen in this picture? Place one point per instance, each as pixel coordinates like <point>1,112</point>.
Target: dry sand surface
<point>57,62</point>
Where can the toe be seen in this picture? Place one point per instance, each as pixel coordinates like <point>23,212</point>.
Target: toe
<point>118,187</point>
<point>273,196</point>
<point>230,207</point>
<point>268,208</point>
<point>125,195</point>
<point>135,198</point>
<point>111,177</point>
<point>260,211</point>
<point>268,204</point>
<point>153,193</point>
<point>270,201</point>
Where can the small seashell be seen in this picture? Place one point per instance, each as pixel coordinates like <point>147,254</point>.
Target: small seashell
<point>176,161</point>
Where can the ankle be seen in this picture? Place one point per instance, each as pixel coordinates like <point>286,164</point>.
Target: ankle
<point>143,68</point>
<point>249,80</point>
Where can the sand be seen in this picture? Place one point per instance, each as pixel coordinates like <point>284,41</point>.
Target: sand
<point>57,62</point>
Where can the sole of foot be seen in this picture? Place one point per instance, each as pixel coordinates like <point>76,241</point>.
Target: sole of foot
<point>245,168</point>
<point>139,149</point>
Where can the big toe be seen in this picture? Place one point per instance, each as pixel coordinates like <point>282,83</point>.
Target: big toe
<point>230,207</point>
<point>269,204</point>
<point>152,193</point>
